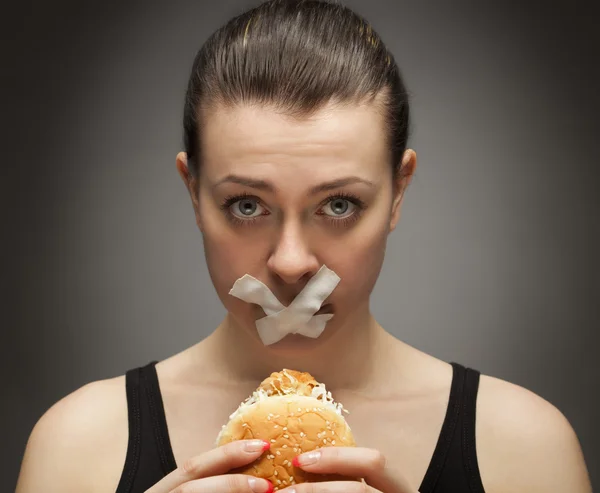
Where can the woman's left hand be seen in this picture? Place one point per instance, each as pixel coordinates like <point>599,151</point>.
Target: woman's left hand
<point>352,462</point>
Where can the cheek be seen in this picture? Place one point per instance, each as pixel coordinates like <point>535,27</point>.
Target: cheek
<point>229,258</point>
<point>229,254</point>
<point>226,263</point>
<point>358,262</point>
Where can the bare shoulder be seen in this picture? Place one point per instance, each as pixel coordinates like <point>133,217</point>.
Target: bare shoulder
<point>80,443</point>
<point>524,443</point>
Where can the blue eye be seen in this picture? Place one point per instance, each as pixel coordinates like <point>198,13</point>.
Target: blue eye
<point>340,206</point>
<point>246,207</point>
<point>243,209</point>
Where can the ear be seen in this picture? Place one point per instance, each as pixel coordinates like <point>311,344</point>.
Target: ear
<point>191,183</point>
<point>402,178</point>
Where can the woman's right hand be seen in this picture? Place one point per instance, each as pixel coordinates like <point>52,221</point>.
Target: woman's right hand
<point>208,472</point>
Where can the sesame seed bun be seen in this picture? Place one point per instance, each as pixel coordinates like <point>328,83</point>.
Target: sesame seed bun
<point>295,414</point>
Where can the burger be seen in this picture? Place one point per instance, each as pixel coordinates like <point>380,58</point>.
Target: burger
<point>295,414</point>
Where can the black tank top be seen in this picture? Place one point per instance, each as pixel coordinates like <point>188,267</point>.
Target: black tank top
<point>453,467</point>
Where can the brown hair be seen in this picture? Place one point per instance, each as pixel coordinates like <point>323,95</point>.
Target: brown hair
<point>296,56</point>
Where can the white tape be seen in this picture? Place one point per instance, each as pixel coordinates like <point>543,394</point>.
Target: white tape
<point>297,318</point>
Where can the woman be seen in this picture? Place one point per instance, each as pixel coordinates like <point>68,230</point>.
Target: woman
<point>296,125</point>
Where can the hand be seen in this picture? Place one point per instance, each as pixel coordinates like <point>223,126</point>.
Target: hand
<point>208,472</point>
<point>352,462</point>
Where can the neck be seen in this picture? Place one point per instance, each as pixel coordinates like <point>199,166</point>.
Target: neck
<point>352,356</point>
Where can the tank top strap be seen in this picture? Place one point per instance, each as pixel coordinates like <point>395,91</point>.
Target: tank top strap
<point>149,454</point>
<point>453,466</point>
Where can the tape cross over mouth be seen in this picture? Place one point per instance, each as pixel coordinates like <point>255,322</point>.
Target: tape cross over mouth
<point>297,318</point>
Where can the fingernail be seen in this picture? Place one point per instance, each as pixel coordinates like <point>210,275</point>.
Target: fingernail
<point>260,485</point>
<point>306,459</point>
<point>257,446</point>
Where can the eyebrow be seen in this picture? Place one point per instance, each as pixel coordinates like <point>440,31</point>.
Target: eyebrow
<point>268,187</point>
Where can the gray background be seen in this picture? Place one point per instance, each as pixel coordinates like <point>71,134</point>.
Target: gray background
<point>495,263</point>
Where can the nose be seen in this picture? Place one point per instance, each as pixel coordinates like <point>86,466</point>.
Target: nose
<point>291,259</point>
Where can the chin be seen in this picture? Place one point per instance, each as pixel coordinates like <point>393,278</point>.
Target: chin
<point>296,344</point>
<point>292,344</point>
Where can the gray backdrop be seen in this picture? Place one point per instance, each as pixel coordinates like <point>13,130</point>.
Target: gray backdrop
<point>495,263</point>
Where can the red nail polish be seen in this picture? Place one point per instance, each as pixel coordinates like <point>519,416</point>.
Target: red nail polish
<point>296,462</point>
<point>271,487</point>
<point>266,445</point>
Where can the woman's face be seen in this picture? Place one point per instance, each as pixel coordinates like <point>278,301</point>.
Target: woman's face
<point>277,198</point>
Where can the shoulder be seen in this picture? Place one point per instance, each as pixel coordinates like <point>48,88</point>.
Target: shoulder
<point>79,442</point>
<point>524,443</point>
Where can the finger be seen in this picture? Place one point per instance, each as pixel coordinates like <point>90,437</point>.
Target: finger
<point>212,463</point>
<point>359,462</point>
<point>347,461</point>
<point>229,483</point>
<point>331,487</point>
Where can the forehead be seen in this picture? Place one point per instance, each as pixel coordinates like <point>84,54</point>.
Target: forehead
<point>257,138</point>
